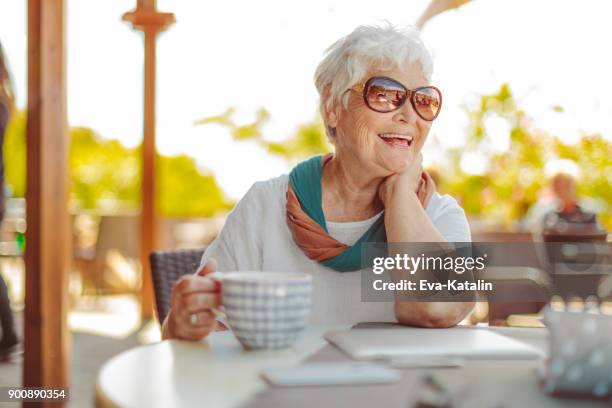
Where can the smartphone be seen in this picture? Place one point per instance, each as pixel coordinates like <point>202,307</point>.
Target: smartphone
<point>335,373</point>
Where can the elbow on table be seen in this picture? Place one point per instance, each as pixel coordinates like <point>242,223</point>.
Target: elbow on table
<point>432,315</point>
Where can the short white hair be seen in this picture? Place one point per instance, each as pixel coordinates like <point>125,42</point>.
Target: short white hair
<point>349,59</point>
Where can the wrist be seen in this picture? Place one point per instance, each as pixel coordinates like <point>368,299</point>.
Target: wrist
<point>402,200</point>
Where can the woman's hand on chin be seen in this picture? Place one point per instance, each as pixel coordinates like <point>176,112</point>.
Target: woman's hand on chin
<point>402,184</point>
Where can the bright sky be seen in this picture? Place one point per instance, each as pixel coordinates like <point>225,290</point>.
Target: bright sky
<point>249,53</point>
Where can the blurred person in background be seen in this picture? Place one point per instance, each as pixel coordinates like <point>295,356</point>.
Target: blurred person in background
<point>560,210</point>
<point>9,341</point>
<point>568,213</point>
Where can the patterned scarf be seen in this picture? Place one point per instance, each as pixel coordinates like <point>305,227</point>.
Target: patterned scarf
<point>307,224</point>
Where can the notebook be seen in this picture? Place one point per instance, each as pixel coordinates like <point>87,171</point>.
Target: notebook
<point>456,342</point>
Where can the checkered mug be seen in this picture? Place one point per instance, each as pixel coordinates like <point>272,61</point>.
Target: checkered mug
<point>266,310</point>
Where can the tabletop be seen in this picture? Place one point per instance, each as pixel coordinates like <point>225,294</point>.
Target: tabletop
<point>219,373</point>
<point>216,372</point>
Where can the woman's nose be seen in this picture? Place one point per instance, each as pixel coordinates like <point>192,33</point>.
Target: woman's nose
<point>406,114</point>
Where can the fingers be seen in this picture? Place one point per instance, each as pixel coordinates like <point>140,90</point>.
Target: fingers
<point>193,328</point>
<point>430,181</point>
<point>197,302</point>
<point>194,295</point>
<point>186,330</point>
<point>209,267</point>
<point>426,189</point>
<point>205,318</point>
<point>190,284</point>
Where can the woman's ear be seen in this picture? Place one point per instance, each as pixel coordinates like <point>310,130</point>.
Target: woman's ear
<point>331,113</point>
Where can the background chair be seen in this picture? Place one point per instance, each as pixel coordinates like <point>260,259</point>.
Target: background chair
<point>518,274</point>
<point>112,265</point>
<point>166,268</point>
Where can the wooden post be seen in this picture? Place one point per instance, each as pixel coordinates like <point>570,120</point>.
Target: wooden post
<point>46,338</point>
<point>151,22</point>
<point>148,219</point>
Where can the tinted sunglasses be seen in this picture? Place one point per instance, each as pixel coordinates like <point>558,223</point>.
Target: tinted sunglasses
<point>383,94</point>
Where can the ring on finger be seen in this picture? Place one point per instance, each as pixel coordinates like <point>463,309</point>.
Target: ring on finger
<point>193,319</point>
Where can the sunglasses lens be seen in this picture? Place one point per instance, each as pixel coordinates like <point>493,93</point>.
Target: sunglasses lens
<point>427,102</point>
<point>384,95</point>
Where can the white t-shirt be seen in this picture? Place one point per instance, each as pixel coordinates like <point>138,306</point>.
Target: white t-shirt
<point>255,237</point>
<point>349,232</point>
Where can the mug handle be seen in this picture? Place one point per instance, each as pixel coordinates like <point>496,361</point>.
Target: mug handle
<point>219,312</point>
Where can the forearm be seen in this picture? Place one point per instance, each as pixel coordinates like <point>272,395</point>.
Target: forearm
<point>407,221</point>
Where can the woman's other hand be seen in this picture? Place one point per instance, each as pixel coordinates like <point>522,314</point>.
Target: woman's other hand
<point>191,315</point>
<point>426,189</point>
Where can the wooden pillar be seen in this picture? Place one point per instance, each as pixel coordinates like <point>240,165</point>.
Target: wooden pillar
<point>148,219</point>
<point>46,338</point>
<point>151,22</point>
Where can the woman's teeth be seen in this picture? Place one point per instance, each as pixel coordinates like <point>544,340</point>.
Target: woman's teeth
<point>395,139</point>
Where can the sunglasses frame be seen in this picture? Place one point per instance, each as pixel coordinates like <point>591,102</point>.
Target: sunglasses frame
<point>410,93</point>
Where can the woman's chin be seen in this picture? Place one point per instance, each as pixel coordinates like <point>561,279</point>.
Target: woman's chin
<point>399,163</point>
<point>397,166</point>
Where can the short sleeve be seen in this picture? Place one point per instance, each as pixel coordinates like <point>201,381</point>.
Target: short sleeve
<point>238,245</point>
<point>450,219</point>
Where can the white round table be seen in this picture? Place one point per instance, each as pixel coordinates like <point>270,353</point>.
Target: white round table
<point>219,373</point>
<point>213,373</point>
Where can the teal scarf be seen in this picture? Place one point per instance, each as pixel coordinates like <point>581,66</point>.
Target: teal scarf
<point>305,179</point>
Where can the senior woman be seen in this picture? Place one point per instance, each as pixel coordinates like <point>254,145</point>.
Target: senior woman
<point>378,107</point>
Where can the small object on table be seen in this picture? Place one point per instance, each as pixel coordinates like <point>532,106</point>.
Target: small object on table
<point>334,373</point>
<point>580,360</point>
<point>434,394</point>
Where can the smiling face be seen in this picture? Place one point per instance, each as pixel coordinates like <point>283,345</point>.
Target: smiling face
<point>381,143</point>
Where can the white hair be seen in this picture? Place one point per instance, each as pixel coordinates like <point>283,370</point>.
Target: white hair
<point>349,59</point>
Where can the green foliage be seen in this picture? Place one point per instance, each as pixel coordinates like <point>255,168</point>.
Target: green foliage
<point>514,177</point>
<point>104,173</point>
<point>309,139</point>
<point>14,154</point>
<point>105,176</point>
<point>185,191</point>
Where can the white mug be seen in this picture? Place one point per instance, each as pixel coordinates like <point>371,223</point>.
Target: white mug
<point>266,310</point>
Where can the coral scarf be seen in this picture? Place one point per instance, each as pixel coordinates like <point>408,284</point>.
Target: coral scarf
<point>307,224</point>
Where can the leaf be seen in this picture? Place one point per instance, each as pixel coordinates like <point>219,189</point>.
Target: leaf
<point>223,119</point>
